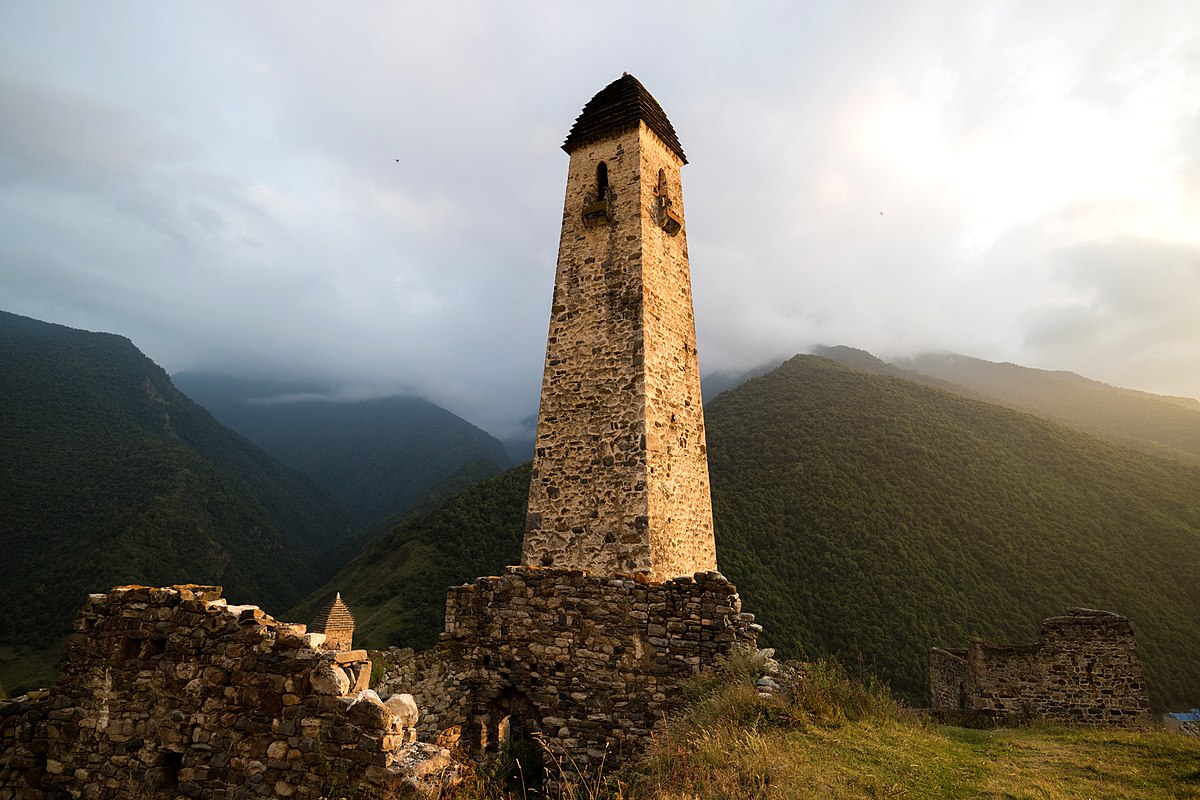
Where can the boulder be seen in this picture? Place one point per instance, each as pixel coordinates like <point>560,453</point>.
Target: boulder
<point>404,709</point>
<point>369,712</point>
<point>329,679</point>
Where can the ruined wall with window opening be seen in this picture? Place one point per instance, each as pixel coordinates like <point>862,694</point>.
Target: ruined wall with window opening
<point>1084,670</point>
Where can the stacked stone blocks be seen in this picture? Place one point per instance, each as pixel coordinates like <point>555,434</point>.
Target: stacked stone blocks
<point>1084,670</point>
<point>170,692</point>
<point>620,472</point>
<point>590,663</point>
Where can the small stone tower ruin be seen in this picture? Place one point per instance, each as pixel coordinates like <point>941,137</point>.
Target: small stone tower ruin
<point>620,472</point>
<point>335,621</point>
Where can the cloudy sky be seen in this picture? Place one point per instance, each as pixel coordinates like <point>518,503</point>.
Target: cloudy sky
<point>370,193</point>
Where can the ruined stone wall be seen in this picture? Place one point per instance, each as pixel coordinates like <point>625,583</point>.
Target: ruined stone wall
<point>1084,670</point>
<point>171,691</point>
<point>948,678</point>
<point>591,663</point>
<point>620,473</point>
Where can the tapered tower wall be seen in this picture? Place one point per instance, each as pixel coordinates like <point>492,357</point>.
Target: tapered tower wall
<point>620,473</point>
<point>681,526</point>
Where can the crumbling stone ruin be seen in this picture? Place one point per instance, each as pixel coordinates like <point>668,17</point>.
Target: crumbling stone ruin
<point>172,691</point>
<point>618,600</point>
<point>588,664</point>
<point>1084,670</point>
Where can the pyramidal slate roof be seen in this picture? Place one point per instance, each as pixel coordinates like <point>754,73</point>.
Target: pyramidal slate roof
<point>615,109</point>
<point>333,616</point>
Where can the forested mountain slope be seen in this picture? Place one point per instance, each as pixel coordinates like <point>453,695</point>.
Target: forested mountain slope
<point>1157,424</point>
<point>110,475</point>
<point>872,517</point>
<point>396,586</point>
<point>378,457</point>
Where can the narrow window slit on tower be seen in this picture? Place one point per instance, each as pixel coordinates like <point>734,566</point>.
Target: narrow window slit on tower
<point>597,206</point>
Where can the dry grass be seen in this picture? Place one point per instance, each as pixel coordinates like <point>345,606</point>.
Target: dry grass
<point>836,738</point>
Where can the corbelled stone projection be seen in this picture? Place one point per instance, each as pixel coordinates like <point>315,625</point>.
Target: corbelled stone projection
<point>620,472</point>
<point>1084,670</point>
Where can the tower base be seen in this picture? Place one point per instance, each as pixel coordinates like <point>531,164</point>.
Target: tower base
<point>587,664</point>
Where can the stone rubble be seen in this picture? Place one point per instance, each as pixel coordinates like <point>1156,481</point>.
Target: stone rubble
<point>169,692</point>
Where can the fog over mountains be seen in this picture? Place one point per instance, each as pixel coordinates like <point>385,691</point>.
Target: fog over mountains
<point>311,200</point>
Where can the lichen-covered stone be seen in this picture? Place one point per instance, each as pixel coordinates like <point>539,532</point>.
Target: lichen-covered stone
<point>328,678</point>
<point>404,709</point>
<point>369,712</point>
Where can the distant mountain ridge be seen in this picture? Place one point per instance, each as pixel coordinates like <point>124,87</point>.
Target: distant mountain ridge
<point>110,475</point>
<point>872,517</point>
<point>379,457</point>
<point>1157,424</point>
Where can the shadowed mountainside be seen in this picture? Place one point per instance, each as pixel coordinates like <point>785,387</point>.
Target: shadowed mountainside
<point>1156,424</point>
<point>378,457</point>
<point>110,475</point>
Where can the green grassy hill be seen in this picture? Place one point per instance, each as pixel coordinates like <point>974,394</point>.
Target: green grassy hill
<point>870,517</point>
<point>378,457</point>
<point>110,475</point>
<point>396,586</point>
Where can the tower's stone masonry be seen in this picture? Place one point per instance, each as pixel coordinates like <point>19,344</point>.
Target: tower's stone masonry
<point>592,664</point>
<point>620,472</point>
<point>1084,670</point>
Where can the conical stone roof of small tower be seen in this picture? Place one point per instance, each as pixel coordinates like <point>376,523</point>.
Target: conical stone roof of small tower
<point>334,615</point>
<point>617,108</point>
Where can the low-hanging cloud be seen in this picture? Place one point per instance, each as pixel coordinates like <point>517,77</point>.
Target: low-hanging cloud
<point>370,196</point>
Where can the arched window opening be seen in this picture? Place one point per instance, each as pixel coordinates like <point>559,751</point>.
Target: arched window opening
<point>597,206</point>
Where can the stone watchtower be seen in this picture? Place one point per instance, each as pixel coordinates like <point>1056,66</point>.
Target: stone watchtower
<point>617,602</point>
<point>620,472</point>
